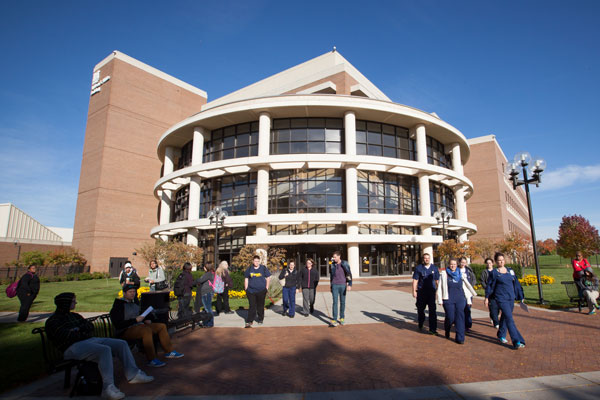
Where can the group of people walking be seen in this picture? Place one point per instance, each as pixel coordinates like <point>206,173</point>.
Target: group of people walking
<point>452,288</point>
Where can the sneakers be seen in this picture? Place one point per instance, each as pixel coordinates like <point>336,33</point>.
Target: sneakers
<point>248,325</point>
<point>156,363</point>
<point>503,340</point>
<point>497,326</point>
<point>173,354</point>
<point>112,393</point>
<point>259,322</point>
<point>141,377</point>
<point>433,333</point>
<point>592,312</point>
<point>519,345</point>
<point>341,321</point>
<point>333,323</point>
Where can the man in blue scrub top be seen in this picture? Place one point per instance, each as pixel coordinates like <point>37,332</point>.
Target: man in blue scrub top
<point>425,281</point>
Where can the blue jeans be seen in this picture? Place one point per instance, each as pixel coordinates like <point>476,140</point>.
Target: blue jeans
<point>507,322</point>
<point>338,291</point>
<point>207,303</point>
<point>289,300</point>
<point>100,351</point>
<point>455,315</point>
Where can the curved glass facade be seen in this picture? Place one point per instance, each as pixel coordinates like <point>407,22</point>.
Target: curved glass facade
<point>307,136</point>
<point>383,140</point>
<point>386,193</point>
<point>307,229</point>
<point>233,141</point>
<point>185,159</point>
<point>179,211</point>
<point>436,154</point>
<point>236,194</point>
<point>306,191</point>
<point>441,196</point>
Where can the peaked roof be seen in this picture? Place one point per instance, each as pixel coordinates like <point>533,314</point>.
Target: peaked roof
<point>16,224</point>
<point>301,77</point>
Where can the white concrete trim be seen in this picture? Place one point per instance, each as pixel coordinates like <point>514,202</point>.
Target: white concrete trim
<point>151,70</point>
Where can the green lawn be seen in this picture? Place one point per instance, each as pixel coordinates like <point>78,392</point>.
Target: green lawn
<point>94,295</point>
<point>24,351</point>
<point>555,294</point>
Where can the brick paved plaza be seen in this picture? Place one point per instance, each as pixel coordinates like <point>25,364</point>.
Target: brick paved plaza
<point>379,348</point>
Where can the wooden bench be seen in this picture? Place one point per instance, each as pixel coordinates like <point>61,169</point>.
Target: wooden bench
<point>53,357</point>
<point>574,294</point>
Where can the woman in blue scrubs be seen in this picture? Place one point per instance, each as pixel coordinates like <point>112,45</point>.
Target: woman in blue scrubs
<point>454,292</point>
<point>504,285</point>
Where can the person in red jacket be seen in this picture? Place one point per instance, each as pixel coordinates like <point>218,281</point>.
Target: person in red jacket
<point>580,264</point>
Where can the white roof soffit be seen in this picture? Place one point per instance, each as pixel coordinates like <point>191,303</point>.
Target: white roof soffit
<point>303,74</point>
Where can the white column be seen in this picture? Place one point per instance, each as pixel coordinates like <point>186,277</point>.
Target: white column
<point>261,230</point>
<point>264,134</point>
<point>461,204</point>
<point>351,189</point>
<point>198,144</point>
<point>262,191</point>
<point>354,259</point>
<point>165,207</point>
<point>192,236</point>
<point>463,237</point>
<point>421,142</point>
<point>428,248</point>
<point>424,204</point>
<point>350,132</point>
<point>456,159</point>
<point>169,163</point>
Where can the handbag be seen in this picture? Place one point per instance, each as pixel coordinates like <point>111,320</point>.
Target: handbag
<point>162,285</point>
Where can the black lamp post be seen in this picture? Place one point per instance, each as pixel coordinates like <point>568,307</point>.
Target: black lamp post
<point>217,215</point>
<point>443,216</point>
<point>18,246</point>
<point>523,160</point>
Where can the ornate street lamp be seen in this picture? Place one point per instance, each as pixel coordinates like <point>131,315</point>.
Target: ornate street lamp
<point>443,216</point>
<point>535,169</point>
<point>217,215</point>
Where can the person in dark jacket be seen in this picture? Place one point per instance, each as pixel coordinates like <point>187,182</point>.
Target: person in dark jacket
<point>256,284</point>
<point>130,325</point>
<point>309,280</point>
<point>290,288</point>
<point>588,284</point>
<point>468,272</point>
<point>204,293</point>
<point>504,285</point>
<point>222,304</point>
<point>493,305</point>
<point>129,276</point>
<point>182,289</point>
<point>27,290</point>
<point>425,281</point>
<point>73,335</point>
<point>341,281</point>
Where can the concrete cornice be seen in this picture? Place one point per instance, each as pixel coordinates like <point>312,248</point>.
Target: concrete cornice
<point>151,70</point>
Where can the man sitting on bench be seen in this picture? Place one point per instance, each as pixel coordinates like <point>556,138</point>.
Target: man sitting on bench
<point>73,335</point>
<point>130,325</point>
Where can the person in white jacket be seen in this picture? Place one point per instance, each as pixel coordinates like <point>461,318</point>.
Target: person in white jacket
<point>454,292</point>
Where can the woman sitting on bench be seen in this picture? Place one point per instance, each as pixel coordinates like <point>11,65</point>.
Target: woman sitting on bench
<point>130,325</point>
<point>589,287</point>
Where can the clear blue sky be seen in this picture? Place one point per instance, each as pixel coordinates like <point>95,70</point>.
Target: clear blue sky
<point>526,71</point>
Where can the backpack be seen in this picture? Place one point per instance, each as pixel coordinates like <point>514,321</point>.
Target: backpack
<point>88,381</point>
<point>178,288</point>
<point>218,285</point>
<point>11,290</point>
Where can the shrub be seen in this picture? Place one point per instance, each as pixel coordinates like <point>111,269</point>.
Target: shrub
<point>84,276</point>
<point>66,256</point>
<point>477,268</point>
<point>238,280</point>
<point>34,257</point>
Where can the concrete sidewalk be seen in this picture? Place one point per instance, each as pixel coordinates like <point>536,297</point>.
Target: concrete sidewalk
<point>579,386</point>
<point>11,316</point>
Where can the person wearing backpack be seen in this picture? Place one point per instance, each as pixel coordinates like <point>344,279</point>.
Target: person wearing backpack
<point>223,297</point>
<point>204,292</point>
<point>27,290</point>
<point>183,290</point>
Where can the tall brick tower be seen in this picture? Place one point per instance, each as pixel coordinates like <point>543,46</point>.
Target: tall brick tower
<point>131,106</point>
